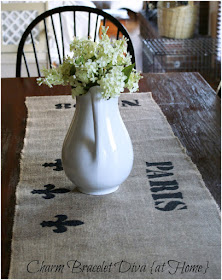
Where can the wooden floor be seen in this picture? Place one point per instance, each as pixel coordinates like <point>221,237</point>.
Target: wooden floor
<point>133,27</point>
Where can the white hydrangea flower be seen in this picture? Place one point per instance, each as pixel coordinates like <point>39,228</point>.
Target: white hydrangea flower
<point>132,83</point>
<point>112,83</point>
<point>81,75</point>
<point>105,63</point>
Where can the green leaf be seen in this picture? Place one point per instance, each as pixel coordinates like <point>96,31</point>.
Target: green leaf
<point>127,71</point>
<point>72,70</point>
<point>79,60</point>
<point>93,58</point>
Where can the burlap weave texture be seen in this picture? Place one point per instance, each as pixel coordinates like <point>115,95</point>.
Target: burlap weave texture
<point>161,223</point>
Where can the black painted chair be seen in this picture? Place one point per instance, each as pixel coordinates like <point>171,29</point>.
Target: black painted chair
<point>45,19</point>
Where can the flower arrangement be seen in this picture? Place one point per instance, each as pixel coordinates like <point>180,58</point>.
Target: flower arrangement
<point>105,63</point>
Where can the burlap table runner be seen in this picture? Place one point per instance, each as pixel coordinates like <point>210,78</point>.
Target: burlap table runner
<point>161,223</point>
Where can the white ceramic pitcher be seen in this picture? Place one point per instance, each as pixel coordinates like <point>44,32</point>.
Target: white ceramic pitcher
<point>97,153</point>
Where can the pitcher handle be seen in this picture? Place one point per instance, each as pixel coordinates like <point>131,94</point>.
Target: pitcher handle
<point>96,99</point>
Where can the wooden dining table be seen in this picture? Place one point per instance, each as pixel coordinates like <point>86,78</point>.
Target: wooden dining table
<point>190,105</point>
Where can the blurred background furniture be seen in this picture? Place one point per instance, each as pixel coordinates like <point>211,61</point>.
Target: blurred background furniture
<point>176,55</point>
<point>168,52</point>
<point>176,20</point>
<point>138,17</point>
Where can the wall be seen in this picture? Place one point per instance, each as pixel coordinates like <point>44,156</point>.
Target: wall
<point>16,16</point>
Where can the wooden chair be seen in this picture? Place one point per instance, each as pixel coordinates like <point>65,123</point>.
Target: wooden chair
<point>45,19</point>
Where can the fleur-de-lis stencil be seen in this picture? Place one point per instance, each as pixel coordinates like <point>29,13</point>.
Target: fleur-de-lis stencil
<point>61,223</point>
<point>50,191</point>
<point>57,164</point>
